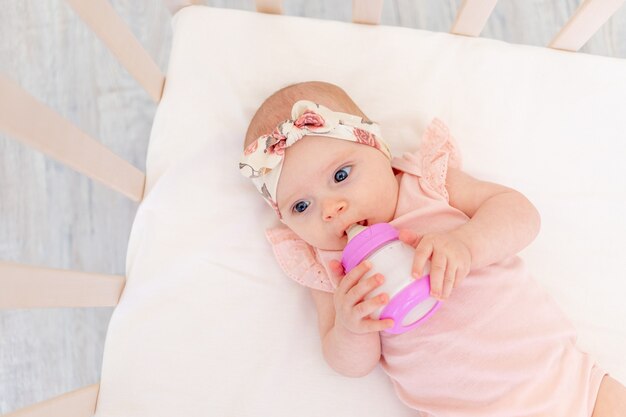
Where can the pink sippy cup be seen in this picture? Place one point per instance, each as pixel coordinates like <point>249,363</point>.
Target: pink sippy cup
<point>410,302</point>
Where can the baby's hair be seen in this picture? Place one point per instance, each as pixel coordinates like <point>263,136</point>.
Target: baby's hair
<point>277,107</point>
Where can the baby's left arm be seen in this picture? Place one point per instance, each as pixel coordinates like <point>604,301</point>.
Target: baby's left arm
<point>502,222</point>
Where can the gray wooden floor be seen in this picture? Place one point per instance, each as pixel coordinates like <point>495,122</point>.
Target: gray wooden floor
<point>52,216</point>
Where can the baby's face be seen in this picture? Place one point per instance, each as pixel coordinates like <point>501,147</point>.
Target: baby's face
<point>328,184</point>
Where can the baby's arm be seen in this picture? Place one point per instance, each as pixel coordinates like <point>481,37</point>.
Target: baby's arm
<point>502,222</point>
<point>350,340</point>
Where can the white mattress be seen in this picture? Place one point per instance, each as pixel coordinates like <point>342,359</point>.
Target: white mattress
<point>208,325</point>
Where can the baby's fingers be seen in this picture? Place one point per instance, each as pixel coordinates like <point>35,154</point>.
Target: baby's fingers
<point>346,282</point>
<point>409,237</point>
<point>363,287</point>
<point>336,268</point>
<point>437,274</point>
<point>367,307</point>
<point>448,281</point>
<point>422,253</point>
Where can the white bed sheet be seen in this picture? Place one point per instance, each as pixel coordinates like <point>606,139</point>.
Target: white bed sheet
<point>208,325</point>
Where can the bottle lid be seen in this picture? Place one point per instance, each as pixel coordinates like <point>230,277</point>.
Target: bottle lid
<point>363,241</point>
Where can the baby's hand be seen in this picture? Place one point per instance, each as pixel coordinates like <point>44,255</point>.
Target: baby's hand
<point>450,257</point>
<point>351,310</point>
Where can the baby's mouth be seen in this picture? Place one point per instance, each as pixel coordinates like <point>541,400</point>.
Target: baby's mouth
<point>361,223</point>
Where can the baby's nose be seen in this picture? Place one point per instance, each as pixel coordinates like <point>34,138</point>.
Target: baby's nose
<point>332,208</point>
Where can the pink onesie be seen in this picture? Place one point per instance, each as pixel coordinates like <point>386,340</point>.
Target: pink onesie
<point>498,347</point>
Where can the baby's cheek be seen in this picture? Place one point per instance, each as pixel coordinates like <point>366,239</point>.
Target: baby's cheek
<point>330,242</point>
<point>317,234</point>
<point>387,204</point>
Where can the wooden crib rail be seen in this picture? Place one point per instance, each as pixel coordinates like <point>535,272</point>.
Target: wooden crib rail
<point>25,286</point>
<point>175,5</point>
<point>78,403</point>
<point>367,11</point>
<point>269,6</point>
<point>109,26</point>
<point>472,16</point>
<point>32,122</point>
<point>586,20</point>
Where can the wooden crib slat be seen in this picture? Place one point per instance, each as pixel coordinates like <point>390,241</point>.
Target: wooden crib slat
<point>26,286</point>
<point>32,122</point>
<point>109,26</point>
<point>78,403</point>
<point>269,6</point>
<point>586,20</point>
<point>367,11</point>
<point>175,5</point>
<point>472,17</point>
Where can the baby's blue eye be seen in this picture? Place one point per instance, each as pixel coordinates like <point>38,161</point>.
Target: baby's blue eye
<point>342,174</point>
<point>300,206</point>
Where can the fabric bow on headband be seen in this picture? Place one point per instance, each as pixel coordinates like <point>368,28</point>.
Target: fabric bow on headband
<point>262,160</point>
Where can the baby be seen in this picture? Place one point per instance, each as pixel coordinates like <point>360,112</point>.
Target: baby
<point>498,345</point>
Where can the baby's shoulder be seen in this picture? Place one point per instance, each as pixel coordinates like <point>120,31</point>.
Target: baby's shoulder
<point>299,260</point>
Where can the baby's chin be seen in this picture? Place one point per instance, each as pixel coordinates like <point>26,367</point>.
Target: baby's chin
<point>330,244</point>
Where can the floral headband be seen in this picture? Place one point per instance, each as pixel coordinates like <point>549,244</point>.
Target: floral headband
<point>262,160</point>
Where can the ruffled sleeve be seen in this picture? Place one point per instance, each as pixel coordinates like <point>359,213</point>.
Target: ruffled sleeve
<point>439,151</point>
<point>298,259</point>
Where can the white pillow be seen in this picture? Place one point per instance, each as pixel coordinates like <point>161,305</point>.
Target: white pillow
<point>209,325</point>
